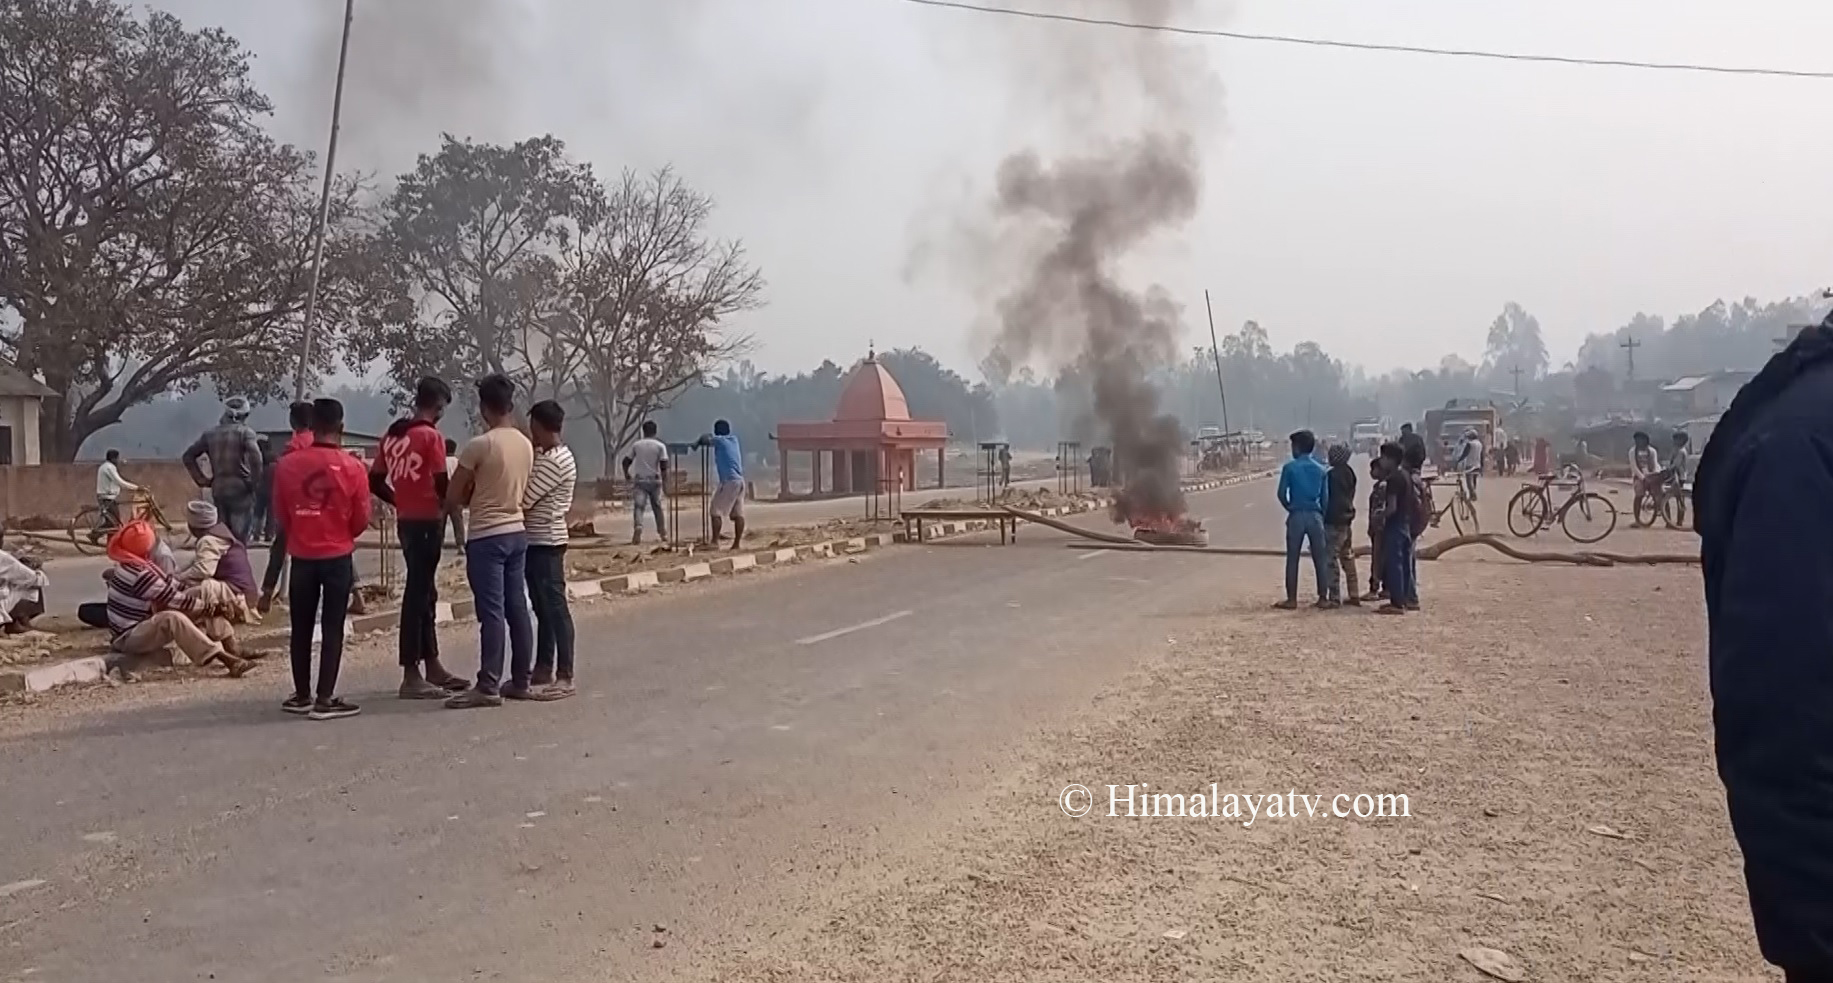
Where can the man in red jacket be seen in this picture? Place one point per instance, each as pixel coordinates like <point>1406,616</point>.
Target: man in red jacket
<point>410,474</point>
<point>321,498</point>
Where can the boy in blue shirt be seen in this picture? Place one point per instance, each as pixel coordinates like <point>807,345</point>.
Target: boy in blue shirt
<point>1304,492</point>
<point>729,463</point>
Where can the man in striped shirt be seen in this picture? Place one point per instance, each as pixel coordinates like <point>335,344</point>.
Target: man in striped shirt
<point>545,504</point>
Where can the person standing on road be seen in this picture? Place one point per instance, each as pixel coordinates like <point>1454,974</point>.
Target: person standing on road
<point>1304,492</point>
<point>1417,517</point>
<point>492,477</point>
<point>729,462</point>
<point>322,499</point>
<point>1468,461</point>
<point>263,525</point>
<point>646,468</point>
<point>546,503</point>
<point>299,417</point>
<point>108,488</point>
<point>234,453</point>
<point>1409,439</point>
<point>410,475</point>
<point>1644,472</point>
<point>1400,490</point>
<point>1339,524</point>
<point>1760,499</point>
<point>1377,523</point>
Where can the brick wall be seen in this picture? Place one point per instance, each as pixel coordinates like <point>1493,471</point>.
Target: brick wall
<point>58,491</point>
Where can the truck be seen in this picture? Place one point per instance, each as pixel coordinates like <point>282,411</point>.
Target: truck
<point>1444,428</point>
<point>1366,435</point>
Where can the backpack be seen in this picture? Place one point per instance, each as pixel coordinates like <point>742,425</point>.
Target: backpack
<point>1422,506</point>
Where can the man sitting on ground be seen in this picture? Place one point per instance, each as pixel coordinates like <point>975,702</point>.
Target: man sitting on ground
<point>146,608</point>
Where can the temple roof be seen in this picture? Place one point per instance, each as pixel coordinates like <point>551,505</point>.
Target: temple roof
<point>871,394</point>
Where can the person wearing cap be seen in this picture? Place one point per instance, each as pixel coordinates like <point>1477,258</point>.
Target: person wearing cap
<point>219,582</point>
<point>147,608</point>
<point>234,453</point>
<point>1469,461</point>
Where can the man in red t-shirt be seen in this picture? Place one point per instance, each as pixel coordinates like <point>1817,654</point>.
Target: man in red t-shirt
<point>410,474</point>
<point>322,502</point>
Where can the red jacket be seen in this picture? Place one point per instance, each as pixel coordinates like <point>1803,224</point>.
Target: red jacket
<point>321,500</point>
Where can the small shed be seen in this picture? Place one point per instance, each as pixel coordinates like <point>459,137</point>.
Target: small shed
<point>21,400</point>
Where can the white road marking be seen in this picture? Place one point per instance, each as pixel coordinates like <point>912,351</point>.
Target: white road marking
<point>8,890</point>
<point>862,626</point>
<point>1092,554</point>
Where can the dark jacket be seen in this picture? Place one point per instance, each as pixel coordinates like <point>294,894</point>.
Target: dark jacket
<point>1341,508</point>
<point>1762,497</point>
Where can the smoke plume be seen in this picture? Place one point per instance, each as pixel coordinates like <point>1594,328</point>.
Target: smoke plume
<point>1132,103</point>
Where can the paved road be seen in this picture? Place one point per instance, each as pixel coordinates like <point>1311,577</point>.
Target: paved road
<point>734,743</point>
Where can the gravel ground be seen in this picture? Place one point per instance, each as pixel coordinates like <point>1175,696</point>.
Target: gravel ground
<point>1549,726</point>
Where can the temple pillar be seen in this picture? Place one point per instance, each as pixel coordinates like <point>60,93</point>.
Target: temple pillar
<point>782,472</point>
<point>843,472</point>
<point>816,454</point>
<point>941,467</point>
<point>910,481</point>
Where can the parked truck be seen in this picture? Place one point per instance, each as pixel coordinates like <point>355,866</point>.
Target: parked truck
<point>1445,427</point>
<point>1366,435</point>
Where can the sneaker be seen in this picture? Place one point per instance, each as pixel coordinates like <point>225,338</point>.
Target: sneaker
<point>333,709</point>
<point>297,705</point>
<point>1326,604</point>
<point>1390,609</point>
<point>473,698</point>
<point>1411,605</point>
<point>420,689</point>
<point>1287,605</point>
<point>542,677</point>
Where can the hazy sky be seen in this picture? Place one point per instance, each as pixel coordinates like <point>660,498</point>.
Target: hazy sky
<point>1383,205</point>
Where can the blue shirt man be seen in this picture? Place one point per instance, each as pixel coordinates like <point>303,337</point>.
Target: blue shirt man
<point>729,463</point>
<point>1304,491</point>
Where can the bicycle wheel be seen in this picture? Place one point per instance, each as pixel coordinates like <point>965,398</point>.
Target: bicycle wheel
<point>1645,509</point>
<point>1464,516</point>
<point>1588,518</point>
<point>1527,512</point>
<point>81,527</point>
<point>1674,510</point>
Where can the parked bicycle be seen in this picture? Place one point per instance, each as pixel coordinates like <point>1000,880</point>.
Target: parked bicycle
<point>1460,505</point>
<point>1669,501</point>
<point>1586,516</point>
<point>90,528</point>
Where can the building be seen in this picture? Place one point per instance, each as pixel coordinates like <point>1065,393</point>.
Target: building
<point>870,442</point>
<point>21,400</point>
<point>1699,395</point>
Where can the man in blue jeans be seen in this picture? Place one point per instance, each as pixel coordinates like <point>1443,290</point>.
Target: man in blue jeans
<point>492,477</point>
<point>1304,491</point>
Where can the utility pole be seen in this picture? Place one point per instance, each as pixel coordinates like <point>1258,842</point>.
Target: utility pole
<point>1630,344</point>
<point>324,209</point>
<point>1215,350</point>
<point>1516,372</point>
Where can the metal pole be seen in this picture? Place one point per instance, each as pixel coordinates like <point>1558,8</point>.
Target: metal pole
<point>1216,350</point>
<point>324,208</point>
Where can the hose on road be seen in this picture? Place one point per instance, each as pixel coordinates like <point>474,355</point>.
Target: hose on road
<point>1091,539</point>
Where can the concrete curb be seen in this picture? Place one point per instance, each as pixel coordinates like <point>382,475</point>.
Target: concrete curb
<point>90,669</point>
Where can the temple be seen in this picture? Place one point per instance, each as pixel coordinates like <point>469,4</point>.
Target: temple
<point>871,435</point>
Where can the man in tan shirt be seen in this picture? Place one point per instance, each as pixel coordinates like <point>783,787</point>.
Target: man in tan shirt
<point>492,475</point>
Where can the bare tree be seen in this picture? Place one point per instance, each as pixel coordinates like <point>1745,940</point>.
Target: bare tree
<point>647,294</point>
<point>151,235</point>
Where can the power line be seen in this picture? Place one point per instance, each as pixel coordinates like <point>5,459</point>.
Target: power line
<point>1653,66</point>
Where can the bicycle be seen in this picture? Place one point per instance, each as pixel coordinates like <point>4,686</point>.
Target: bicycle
<point>1669,501</point>
<point>89,522</point>
<point>1531,510</point>
<point>1462,507</point>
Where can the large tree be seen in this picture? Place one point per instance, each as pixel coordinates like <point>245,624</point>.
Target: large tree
<point>471,238</point>
<point>1514,342</point>
<point>646,293</point>
<point>151,235</point>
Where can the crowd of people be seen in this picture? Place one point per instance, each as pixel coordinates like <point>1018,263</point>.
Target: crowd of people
<point>505,496</point>
<point>1320,503</point>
